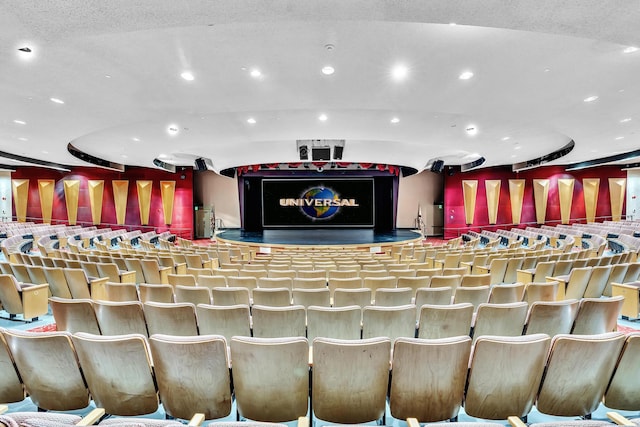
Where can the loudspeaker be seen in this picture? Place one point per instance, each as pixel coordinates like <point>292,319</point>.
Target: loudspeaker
<point>437,166</point>
<point>321,153</point>
<point>201,165</point>
<point>337,152</point>
<point>229,172</point>
<point>304,152</point>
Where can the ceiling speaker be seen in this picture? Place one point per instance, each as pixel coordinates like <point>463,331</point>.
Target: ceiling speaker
<point>201,165</point>
<point>304,152</point>
<point>437,166</point>
<point>321,153</point>
<point>337,152</point>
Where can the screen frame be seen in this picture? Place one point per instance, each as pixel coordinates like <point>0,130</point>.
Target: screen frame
<point>371,180</point>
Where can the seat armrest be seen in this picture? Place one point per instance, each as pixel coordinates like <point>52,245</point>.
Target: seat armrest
<point>164,274</point>
<point>619,419</point>
<point>412,422</point>
<point>98,288</point>
<point>196,420</point>
<point>35,301</point>
<point>181,268</point>
<point>128,277</point>
<point>92,417</point>
<point>516,422</point>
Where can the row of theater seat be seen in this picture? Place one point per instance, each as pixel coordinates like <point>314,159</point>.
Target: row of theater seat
<point>589,316</point>
<point>338,381</point>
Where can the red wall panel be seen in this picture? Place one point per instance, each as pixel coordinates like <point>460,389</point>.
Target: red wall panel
<point>182,223</point>
<point>454,219</point>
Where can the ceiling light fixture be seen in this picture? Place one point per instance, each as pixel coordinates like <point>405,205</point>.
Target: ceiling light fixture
<point>251,121</point>
<point>506,138</point>
<point>630,49</point>
<point>618,138</point>
<point>591,98</point>
<point>255,73</point>
<point>328,70</point>
<point>187,75</point>
<point>173,129</point>
<point>395,120</point>
<point>25,49</point>
<point>20,122</point>
<point>22,138</point>
<point>465,75</point>
<point>136,139</point>
<point>471,130</point>
<point>56,100</point>
<point>323,117</point>
<point>625,120</point>
<point>400,72</point>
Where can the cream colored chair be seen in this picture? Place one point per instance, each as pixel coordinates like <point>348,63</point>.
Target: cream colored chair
<point>192,375</point>
<point>228,321</point>
<point>120,318</point>
<point>500,319</point>
<point>390,322</point>
<point>272,297</point>
<point>275,282</point>
<point>623,393</point>
<point>475,295</point>
<point>212,281</point>
<point>543,291</point>
<point>393,297</point>
<point>507,293</point>
<point>279,368</point>
<point>504,375</point>
<point>23,298</point>
<point>230,296</point>
<point>347,297</point>
<point>154,273</point>
<point>444,321</point>
<point>308,297</point>
<point>155,293</point>
<point>334,322</point>
<point>193,294</point>
<point>120,292</point>
<point>309,282</point>
<point>49,369</point>
<point>375,283</point>
<point>597,315</point>
<point>81,286</point>
<point>551,317</point>
<point>597,281</point>
<point>277,322</point>
<point>350,379</point>
<point>434,296</point>
<point>429,377</point>
<point>58,283</point>
<point>182,279</point>
<point>12,389</point>
<point>118,372</point>
<point>471,280</point>
<point>171,318</point>
<point>578,371</point>
<point>74,315</point>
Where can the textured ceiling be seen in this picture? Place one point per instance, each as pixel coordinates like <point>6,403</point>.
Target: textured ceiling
<point>117,65</point>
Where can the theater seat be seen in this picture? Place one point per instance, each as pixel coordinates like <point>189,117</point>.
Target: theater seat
<point>26,299</point>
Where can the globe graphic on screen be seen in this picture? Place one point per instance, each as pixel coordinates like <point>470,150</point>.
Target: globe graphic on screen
<point>319,212</point>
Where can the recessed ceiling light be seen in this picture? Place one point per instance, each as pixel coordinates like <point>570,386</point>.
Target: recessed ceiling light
<point>465,75</point>
<point>618,138</point>
<point>323,117</point>
<point>471,130</point>
<point>251,121</point>
<point>400,72</point>
<point>22,138</point>
<point>173,129</point>
<point>546,70</point>
<point>25,52</point>
<point>506,138</point>
<point>513,156</point>
<point>625,120</point>
<point>136,139</point>
<point>20,122</point>
<point>162,156</point>
<point>255,73</point>
<point>630,49</point>
<point>395,120</point>
<point>124,156</point>
<point>453,24</point>
<point>591,98</point>
<point>57,100</point>
<point>45,152</point>
<point>187,75</point>
<point>107,76</point>
<point>517,147</point>
<point>328,70</point>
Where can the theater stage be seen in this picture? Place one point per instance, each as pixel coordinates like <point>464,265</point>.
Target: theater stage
<point>360,238</point>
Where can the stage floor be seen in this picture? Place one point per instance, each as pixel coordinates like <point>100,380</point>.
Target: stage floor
<point>318,237</point>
